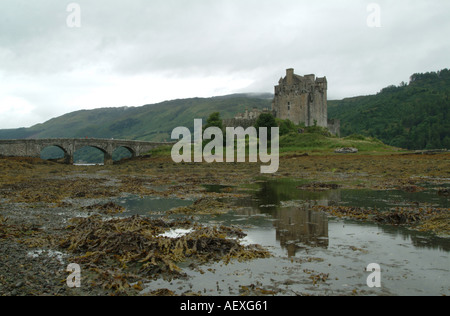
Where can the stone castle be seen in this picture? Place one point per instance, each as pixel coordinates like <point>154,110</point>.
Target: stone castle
<point>300,99</point>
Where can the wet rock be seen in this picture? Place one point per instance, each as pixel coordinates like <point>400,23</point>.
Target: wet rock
<point>318,186</point>
<point>346,150</point>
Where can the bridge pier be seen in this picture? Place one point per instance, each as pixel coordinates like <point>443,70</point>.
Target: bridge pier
<point>68,159</point>
<point>108,160</point>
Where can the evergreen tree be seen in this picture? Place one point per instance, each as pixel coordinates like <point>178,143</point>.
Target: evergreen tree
<point>266,120</point>
<point>214,120</point>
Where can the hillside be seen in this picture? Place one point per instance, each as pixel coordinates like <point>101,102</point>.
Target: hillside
<point>413,116</point>
<point>153,122</point>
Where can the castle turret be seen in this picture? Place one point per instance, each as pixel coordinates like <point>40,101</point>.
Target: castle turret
<point>290,76</point>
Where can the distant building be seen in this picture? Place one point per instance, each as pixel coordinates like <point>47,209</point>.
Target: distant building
<point>246,119</point>
<point>253,114</point>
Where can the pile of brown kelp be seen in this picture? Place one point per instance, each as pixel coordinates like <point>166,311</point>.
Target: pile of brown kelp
<point>138,245</point>
<point>432,219</point>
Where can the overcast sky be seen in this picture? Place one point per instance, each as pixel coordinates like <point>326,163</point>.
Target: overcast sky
<point>56,58</point>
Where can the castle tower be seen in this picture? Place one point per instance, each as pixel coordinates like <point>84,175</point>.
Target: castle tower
<point>301,99</point>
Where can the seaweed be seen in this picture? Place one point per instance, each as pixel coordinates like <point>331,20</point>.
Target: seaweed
<point>16,231</point>
<point>136,245</point>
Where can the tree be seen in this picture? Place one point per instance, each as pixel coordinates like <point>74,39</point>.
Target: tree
<point>446,142</point>
<point>214,120</point>
<point>266,120</point>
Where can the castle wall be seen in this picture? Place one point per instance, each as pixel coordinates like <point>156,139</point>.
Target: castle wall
<point>292,107</point>
<point>319,109</point>
<point>334,126</point>
<point>236,122</point>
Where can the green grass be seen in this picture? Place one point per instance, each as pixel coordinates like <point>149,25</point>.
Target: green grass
<point>318,143</point>
<point>162,151</point>
<point>314,143</point>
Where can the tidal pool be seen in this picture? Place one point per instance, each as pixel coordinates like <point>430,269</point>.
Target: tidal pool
<point>149,205</point>
<point>321,255</point>
<point>411,263</point>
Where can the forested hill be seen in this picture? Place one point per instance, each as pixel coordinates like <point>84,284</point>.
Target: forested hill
<point>414,115</point>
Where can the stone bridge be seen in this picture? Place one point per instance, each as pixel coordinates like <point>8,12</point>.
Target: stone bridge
<point>34,147</point>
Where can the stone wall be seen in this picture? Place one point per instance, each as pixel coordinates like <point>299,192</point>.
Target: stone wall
<point>245,123</point>
<point>334,126</point>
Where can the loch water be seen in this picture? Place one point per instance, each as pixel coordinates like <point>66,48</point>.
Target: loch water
<point>307,243</point>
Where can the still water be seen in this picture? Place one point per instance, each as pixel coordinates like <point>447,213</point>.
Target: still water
<point>305,243</point>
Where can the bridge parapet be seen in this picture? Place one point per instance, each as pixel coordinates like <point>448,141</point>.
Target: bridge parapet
<point>34,147</point>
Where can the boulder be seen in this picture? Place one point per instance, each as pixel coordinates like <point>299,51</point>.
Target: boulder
<point>346,150</point>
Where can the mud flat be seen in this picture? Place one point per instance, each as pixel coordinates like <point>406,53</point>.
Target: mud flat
<point>153,227</point>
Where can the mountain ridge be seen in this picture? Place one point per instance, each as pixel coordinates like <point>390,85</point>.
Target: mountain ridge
<point>152,122</point>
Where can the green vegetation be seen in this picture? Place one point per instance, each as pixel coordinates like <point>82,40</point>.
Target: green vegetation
<point>266,120</point>
<point>153,122</point>
<point>316,142</point>
<point>316,139</point>
<point>286,127</point>
<point>312,139</point>
<point>214,120</point>
<point>411,116</point>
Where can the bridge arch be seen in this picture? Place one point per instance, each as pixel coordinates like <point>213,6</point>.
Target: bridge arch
<point>123,151</point>
<point>96,154</point>
<point>46,151</point>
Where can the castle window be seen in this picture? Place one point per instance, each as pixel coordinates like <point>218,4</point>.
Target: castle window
<point>289,106</point>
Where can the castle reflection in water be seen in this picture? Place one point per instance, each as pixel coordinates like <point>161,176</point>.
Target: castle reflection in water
<point>298,226</point>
